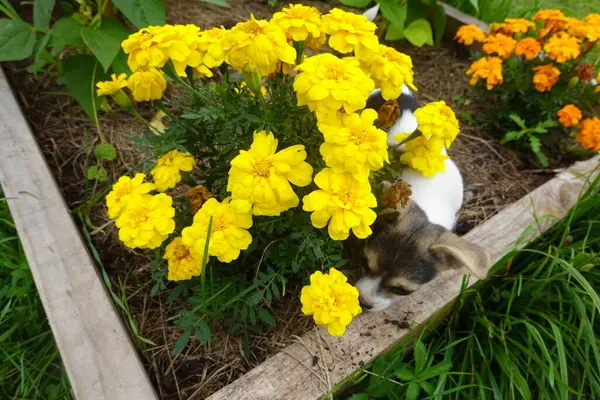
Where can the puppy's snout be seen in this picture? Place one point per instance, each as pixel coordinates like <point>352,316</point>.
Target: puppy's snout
<point>363,304</point>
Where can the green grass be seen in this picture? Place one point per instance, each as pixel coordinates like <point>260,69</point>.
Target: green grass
<point>530,331</point>
<point>30,366</point>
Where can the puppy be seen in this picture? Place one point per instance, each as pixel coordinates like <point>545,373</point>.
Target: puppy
<point>410,246</point>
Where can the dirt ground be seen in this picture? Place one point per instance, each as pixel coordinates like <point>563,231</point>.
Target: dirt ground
<point>494,177</point>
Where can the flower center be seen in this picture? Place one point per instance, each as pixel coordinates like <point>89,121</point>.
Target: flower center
<point>219,223</point>
<point>138,216</point>
<point>122,191</point>
<point>335,72</point>
<point>263,168</point>
<point>359,135</point>
<point>182,252</point>
<point>346,195</point>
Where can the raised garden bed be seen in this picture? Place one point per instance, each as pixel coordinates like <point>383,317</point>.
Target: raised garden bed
<point>101,360</point>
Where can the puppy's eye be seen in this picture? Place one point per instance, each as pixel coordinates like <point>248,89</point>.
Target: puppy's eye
<point>400,291</point>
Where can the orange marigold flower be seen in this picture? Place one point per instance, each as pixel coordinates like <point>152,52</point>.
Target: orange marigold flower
<point>519,25</point>
<point>585,72</point>
<point>593,27</point>
<point>467,34</point>
<point>528,47</point>
<point>500,44</point>
<point>548,15</point>
<point>569,115</point>
<point>562,47</point>
<point>488,68</point>
<point>554,21</point>
<point>576,27</point>
<point>589,134</point>
<point>545,77</point>
<point>500,27</point>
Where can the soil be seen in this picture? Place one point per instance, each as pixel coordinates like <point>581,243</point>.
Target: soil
<point>494,177</point>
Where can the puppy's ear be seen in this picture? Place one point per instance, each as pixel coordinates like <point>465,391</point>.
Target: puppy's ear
<point>385,219</point>
<point>454,252</point>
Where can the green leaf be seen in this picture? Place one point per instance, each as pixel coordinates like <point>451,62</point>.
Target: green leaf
<point>265,316</point>
<point>412,392</point>
<point>220,3</point>
<point>181,342</point>
<point>17,39</point>
<point>66,32</point>
<point>41,57</point>
<point>439,22</point>
<point>102,175</point>
<point>394,32</point>
<point>9,10</point>
<point>517,120</point>
<point>142,13</point>
<point>419,33</point>
<point>359,396</point>
<point>114,29</point>
<point>42,11</point>
<point>535,145</point>
<point>420,355</point>
<point>436,370</point>
<point>204,330</point>
<point>475,4</point>
<point>105,151</point>
<point>91,173</point>
<point>80,74</point>
<point>104,47</point>
<point>120,65</point>
<point>255,299</point>
<point>393,11</point>
<point>405,373</point>
<point>356,3</point>
<point>510,136</point>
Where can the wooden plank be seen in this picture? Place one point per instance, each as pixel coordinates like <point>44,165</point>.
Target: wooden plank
<point>295,373</point>
<point>95,346</point>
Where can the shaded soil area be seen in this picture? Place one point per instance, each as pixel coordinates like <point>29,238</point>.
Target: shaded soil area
<point>494,177</point>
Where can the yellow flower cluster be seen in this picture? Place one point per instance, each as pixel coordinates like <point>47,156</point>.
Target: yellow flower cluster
<point>167,172</point>
<point>331,300</point>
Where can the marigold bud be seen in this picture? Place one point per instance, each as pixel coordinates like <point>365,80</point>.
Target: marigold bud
<point>197,196</point>
<point>398,193</point>
<point>585,72</point>
<point>388,114</point>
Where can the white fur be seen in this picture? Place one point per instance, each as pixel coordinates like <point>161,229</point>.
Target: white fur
<point>371,13</point>
<point>368,288</point>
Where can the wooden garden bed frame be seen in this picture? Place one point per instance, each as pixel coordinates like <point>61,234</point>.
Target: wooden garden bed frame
<point>95,346</point>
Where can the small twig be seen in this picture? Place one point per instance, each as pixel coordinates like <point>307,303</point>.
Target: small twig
<point>263,256</point>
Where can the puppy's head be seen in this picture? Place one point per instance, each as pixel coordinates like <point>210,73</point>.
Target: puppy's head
<point>406,251</point>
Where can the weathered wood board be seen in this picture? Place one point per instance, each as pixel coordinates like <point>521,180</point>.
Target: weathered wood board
<point>295,373</point>
<point>95,346</point>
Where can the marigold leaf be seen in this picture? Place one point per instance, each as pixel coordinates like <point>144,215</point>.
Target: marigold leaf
<point>419,33</point>
<point>181,342</point>
<point>105,151</point>
<point>17,39</point>
<point>266,317</point>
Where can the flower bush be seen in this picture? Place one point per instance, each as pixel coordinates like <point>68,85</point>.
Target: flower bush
<point>274,144</point>
<point>535,72</point>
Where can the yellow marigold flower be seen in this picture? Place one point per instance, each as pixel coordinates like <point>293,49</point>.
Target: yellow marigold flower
<point>257,43</point>
<point>123,190</point>
<point>326,83</point>
<point>554,21</point>
<point>562,47</point>
<point>342,201</point>
<point>146,85</point>
<point>315,43</point>
<point>589,134</point>
<point>331,300</point>
<point>143,47</point>
<point>389,68</point>
<point>229,233</point>
<point>259,179</point>
<point>545,77</point>
<point>593,27</point>
<point>467,34</point>
<point>349,31</point>
<point>183,261</point>
<point>528,47</point>
<point>166,172</point>
<point>500,44</point>
<point>210,51</point>
<point>569,115</point>
<point>113,86</point>
<point>425,155</point>
<point>488,68</point>
<point>146,221</point>
<point>576,27</point>
<point>356,146</point>
<point>546,15</point>
<point>438,120</point>
<point>519,25</point>
<point>301,21</point>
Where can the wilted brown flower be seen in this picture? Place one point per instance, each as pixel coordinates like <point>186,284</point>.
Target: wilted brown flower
<point>388,114</point>
<point>398,193</point>
<point>197,196</point>
<point>585,72</point>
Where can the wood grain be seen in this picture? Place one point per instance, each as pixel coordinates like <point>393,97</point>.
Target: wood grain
<point>95,346</point>
<point>295,373</point>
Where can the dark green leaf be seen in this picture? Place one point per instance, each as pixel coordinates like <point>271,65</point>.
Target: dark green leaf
<point>436,370</point>
<point>420,356</point>
<point>42,11</point>
<point>120,65</point>
<point>517,120</point>
<point>244,312</point>
<point>359,396</point>
<point>220,3</point>
<point>105,151</point>
<point>252,314</point>
<point>265,316</point>
<point>104,47</point>
<point>41,57</point>
<point>255,299</point>
<point>412,392</point>
<point>356,3</point>
<point>102,175</point>
<point>175,293</point>
<point>394,32</point>
<point>439,22</point>
<point>419,33</point>
<point>393,11</point>
<point>66,32</point>
<point>510,136</point>
<point>405,373</point>
<point>91,173</point>
<point>427,387</point>
<point>114,29</point>
<point>475,4</point>
<point>80,73</point>
<point>17,39</point>
<point>181,342</point>
<point>142,13</point>
<point>203,333</point>
<point>275,290</point>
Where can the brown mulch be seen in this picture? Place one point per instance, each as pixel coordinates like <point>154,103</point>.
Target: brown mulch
<point>494,177</point>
